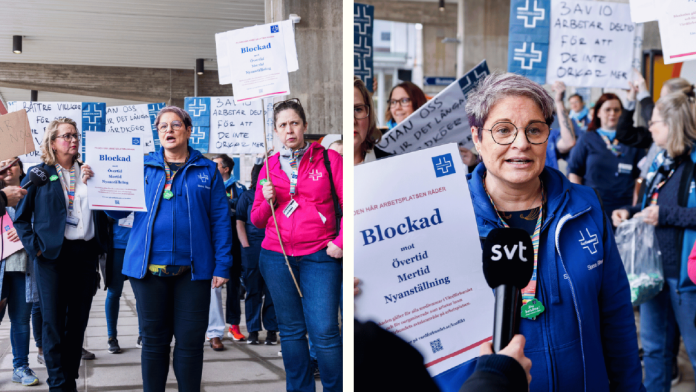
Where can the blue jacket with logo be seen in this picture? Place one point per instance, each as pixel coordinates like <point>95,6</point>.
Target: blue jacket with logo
<point>209,222</point>
<point>586,339</point>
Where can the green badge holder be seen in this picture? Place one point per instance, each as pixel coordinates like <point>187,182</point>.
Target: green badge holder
<point>53,177</point>
<point>168,194</point>
<point>532,309</point>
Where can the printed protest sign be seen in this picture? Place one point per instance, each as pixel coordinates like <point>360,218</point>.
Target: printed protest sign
<point>133,119</point>
<point>15,135</point>
<point>677,21</point>
<point>40,114</point>
<point>418,256</point>
<point>528,38</point>
<point>591,44</point>
<point>440,121</point>
<point>363,26</point>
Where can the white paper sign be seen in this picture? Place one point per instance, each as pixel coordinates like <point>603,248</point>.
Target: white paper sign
<point>236,128</point>
<point>591,44</point>
<point>117,162</point>
<point>440,121</point>
<point>131,119</point>
<point>643,10</point>
<point>677,21</point>
<point>418,255</point>
<point>40,115</point>
<point>258,62</point>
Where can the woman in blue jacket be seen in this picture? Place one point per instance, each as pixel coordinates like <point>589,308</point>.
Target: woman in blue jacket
<point>585,339</point>
<point>175,249</point>
<point>669,203</point>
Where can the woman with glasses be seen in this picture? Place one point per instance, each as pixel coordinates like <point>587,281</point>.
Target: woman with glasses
<point>669,203</point>
<point>66,237</point>
<point>365,132</point>
<point>306,258</point>
<point>581,335</point>
<point>600,161</point>
<point>177,250</point>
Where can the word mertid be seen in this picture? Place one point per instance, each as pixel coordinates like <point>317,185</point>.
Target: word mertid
<point>370,236</point>
<point>116,158</point>
<point>257,48</point>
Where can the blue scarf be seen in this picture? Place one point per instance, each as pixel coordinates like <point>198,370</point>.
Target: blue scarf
<point>609,134</point>
<point>230,181</point>
<point>577,116</point>
<point>391,124</point>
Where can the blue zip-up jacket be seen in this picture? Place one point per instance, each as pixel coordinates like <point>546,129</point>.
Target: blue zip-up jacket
<point>586,339</point>
<point>209,223</point>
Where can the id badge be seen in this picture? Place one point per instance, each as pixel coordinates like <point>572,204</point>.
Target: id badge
<point>290,208</point>
<point>72,220</point>
<point>625,168</point>
<point>127,221</point>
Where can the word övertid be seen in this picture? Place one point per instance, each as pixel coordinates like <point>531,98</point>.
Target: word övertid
<point>370,236</point>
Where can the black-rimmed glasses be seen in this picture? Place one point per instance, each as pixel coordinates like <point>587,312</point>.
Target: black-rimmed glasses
<point>361,111</point>
<point>402,101</point>
<point>505,133</point>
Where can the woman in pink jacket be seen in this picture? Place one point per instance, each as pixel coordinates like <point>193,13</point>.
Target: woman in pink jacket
<point>300,188</point>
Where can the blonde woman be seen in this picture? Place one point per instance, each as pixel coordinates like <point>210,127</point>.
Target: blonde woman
<point>66,238</point>
<point>669,203</point>
<point>365,132</point>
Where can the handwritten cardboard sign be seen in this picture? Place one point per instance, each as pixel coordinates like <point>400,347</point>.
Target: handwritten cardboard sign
<point>15,135</point>
<point>591,44</point>
<point>440,121</point>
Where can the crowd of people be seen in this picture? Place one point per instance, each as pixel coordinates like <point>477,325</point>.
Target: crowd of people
<point>203,230</point>
<point>587,333</point>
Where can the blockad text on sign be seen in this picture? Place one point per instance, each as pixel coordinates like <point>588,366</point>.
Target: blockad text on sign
<point>440,121</point>
<point>15,135</point>
<point>591,44</point>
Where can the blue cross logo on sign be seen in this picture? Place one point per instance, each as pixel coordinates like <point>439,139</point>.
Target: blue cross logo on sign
<point>443,164</point>
<point>197,135</point>
<point>530,16</point>
<point>92,115</point>
<point>136,141</point>
<point>534,56</point>
<point>197,109</point>
<point>274,29</point>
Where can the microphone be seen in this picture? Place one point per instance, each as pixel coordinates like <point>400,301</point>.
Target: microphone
<point>508,265</point>
<point>37,176</point>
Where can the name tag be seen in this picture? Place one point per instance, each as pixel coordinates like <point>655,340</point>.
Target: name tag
<point>625,168</point>
<point>127,221</point>
<point>72,221</point>
<point>290,208</point>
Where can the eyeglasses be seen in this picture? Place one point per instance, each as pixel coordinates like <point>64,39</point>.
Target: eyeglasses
<point>651,123</point>
<point>287,101</point>
<point>69,136</point>
<point>361,111</point>
<point>176,125</point>
<point>403,101</point>
<point>505,133</point>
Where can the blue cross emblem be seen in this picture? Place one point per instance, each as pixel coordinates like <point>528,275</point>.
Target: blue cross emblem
<point>443,165</point>
<point>592,240</point>
<point>534,56</point>
<point>274,29</point>
<point>197,135</point>
<point>203,177</point>
<point>530,16</point>
<point>362,20</point>
<point>202,107</point>
<point>92,115</point>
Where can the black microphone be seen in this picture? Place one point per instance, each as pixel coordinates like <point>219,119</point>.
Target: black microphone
<point>37,176</point>
<point>508,265</point>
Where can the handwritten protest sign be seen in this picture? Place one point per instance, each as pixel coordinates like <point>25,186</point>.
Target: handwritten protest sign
<point>677,21</point>
<point>133,119</point>
<point>643,10</point>
<point>15,135</point>
<point>440,121</point>
<point>591,44</point>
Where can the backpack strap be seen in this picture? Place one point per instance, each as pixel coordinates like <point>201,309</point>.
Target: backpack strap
<point>337,206</point>
<point>604,216</point>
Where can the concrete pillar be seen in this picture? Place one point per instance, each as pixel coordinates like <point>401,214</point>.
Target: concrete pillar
<point>418,66</point>
<point>460,36</point>
<point>381,98</point>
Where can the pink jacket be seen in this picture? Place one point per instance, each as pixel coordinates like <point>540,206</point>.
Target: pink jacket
<point>692,265</point>
<point>313,224</point>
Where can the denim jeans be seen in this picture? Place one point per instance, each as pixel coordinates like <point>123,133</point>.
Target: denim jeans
<point>13,288</point>
<point>172,306</point>
<point>659,319</point>
<point>316,313</point>
<point>36,323</point>
<point>258,305</point>
<point>113,293</point>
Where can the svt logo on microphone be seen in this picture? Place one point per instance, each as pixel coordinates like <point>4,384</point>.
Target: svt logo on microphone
<point>509,253</point>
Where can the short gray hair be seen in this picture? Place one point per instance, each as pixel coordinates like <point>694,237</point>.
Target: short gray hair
<point>499,85</point>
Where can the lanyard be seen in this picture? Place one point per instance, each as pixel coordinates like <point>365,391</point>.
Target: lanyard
<point>656,193</point>
<point>293,176</point>
<point>528,292</point>
<point>70,187</point>
<point>169,179</point>
<point>611,147</point>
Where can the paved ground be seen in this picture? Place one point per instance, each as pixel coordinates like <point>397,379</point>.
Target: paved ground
<point>240,366</point>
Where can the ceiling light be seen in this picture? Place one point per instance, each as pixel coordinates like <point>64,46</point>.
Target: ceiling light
<point>199,66</point>
<point>17,44</point>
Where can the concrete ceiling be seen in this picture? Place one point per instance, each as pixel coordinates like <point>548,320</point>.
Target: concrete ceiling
<point>129,33</point>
